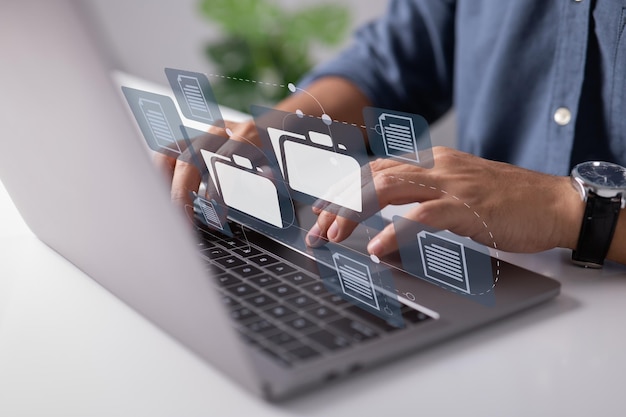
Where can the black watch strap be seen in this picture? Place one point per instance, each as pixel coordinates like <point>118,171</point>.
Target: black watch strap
<point>596,232</point>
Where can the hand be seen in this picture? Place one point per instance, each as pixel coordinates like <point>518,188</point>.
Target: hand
<point>184,175</point>
<point>524,211</point>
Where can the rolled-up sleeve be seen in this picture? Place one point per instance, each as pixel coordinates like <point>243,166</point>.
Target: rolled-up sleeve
<point>403,60</point>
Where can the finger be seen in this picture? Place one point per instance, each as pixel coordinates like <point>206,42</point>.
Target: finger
<point>186,180</point>
<point>340,229</point>
<point>439,214</point>
<point>317,235</point>
<point>397,186</point>
<point>164,164</point>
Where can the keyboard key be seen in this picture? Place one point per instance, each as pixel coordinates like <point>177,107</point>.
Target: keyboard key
<point>282,339</point>
<point>278,357</point>
<point>262,301</point>
<point>263,260</point>
<point>214,269</point>
<point>283,290</point>
<point>242,314</point>
<point>232,243</point>
<point>371,318</point>
<point>204,244</point>
<point>242,290</point>
<point>317,288</point>
<point>214,253</point>
<point>230,261</point>
<point>227,280</point>
<point>354,329</point>
<point>280,312</point>
<point>323,313</point>
<point>299,278</point>
<point>329,340</point>
<point>303,352</point>
<point>336,300</point>
<point>264,281</point>
<point>301,324</point>
<point>281,269</point>
<point>230,302</point>
<point>247,251</point>
<point>262,327</point>
<point>301,301</point>
<point>247,271</point>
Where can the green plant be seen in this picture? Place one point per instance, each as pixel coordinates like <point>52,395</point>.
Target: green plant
<point>264,42</point>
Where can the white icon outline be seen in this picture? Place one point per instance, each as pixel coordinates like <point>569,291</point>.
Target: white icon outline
<point>449,263</point>
<point>209,213</point>
<point>159,125</point>
<point>356,282</point>
<point>399,136</point>
<point>194,97</point>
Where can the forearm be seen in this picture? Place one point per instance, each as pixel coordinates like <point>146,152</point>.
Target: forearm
<point>339,98</point>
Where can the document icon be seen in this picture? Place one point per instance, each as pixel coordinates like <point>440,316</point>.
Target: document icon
<point>194,97</point>
<point>399,136</point>
<point>444,260</point>
<point>356,280</point>
<point>159,126</point>
<point>209,213</point>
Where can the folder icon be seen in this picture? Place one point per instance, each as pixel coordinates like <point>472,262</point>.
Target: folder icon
<point>311,166</point>
<point>243,188</point>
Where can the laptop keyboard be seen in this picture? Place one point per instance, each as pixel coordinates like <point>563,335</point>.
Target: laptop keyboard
<point>283,308</point>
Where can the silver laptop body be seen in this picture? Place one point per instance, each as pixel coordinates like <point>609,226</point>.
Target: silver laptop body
<point>79,174</point>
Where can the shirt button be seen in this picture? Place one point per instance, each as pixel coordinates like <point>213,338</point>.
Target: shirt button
<point>562,116</point>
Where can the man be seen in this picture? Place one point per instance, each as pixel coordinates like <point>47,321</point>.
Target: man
<point>538,86</point>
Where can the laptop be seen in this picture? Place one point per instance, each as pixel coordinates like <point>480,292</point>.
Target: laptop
<point>274,315</point>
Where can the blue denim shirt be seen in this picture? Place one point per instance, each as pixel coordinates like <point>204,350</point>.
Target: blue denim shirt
<point>511,68</point>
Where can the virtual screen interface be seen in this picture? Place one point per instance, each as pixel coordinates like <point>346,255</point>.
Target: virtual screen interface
<point>271,181</point>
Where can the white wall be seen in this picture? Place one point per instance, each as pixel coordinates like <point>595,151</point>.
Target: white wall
<point>148,35</point>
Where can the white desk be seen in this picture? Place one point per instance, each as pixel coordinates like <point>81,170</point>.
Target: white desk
<point>69,348</point>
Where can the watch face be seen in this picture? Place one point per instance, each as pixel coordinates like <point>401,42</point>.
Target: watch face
<point>603,174</point>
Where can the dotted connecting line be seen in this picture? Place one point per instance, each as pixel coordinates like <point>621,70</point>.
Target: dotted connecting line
<point>495,246</point>
<point>246,80</point>
<point>292,88</point>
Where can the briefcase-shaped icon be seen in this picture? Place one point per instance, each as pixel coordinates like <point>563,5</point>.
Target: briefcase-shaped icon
<point>312,166</point>
<point>243,187</point>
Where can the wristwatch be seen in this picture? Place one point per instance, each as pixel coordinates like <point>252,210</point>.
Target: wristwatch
<point>602,186</point>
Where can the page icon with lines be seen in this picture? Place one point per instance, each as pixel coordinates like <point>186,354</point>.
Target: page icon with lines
<point>444,260</point>
<point>209,213</point>
<point>356,280</point>
<point>399,136</point>
<point>160,128</point>
<point>194,97</point>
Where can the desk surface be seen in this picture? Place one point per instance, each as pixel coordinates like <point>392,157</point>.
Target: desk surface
<point>69,348</point>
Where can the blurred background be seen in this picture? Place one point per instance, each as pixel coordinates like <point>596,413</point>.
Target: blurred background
<point>274,41</point>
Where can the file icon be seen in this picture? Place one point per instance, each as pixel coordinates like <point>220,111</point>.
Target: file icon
<point>160,127</point>
<point>356,280</point>
<point>444,260</point>
<point>399,136</point>
<point>194,97</point>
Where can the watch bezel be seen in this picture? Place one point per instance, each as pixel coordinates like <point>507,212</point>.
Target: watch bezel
<point>584,186</point>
